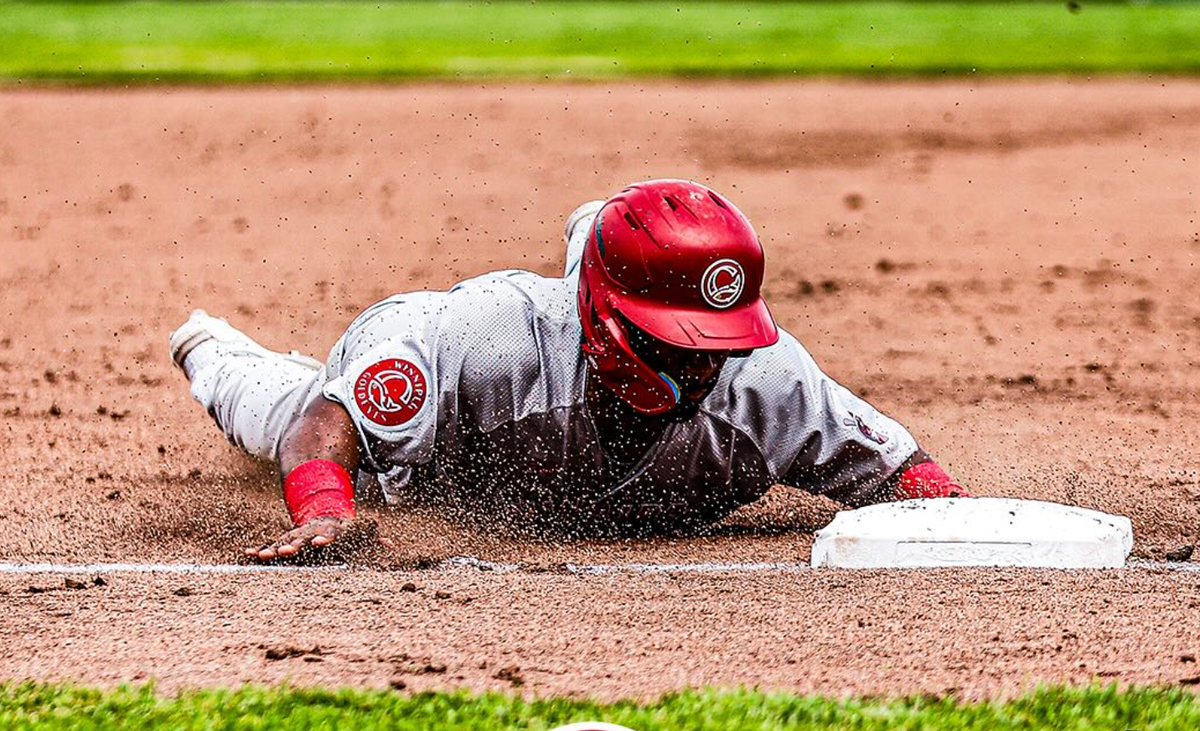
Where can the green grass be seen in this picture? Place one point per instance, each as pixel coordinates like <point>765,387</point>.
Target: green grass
<point>1094,709</point>
<point>241,41</point>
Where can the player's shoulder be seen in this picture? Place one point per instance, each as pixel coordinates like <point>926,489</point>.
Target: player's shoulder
<point>766,397</point>
<point>785,362</point>
<point>756,389</point>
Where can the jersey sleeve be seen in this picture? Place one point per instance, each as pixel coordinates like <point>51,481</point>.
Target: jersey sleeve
<point>817,435</point>
<point>384,372</point>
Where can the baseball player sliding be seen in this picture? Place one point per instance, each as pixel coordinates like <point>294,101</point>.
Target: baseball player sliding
<point>647,390</point>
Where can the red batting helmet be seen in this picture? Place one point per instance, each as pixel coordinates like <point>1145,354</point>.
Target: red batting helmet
<point>682,264</point>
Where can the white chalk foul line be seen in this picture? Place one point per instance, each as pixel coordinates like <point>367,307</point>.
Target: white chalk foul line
<point>454,562</point>
<point>635,568</point>
<point>1148,565</point>
<point>154,568</point>
<point>480,564</point>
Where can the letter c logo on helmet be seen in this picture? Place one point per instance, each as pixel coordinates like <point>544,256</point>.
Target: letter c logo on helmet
<point>722,283</point>
<point>682,264</point>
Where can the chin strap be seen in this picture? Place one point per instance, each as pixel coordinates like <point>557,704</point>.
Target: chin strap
<point>927,480</point>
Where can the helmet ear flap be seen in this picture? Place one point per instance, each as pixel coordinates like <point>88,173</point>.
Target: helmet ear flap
<point>607,345</point>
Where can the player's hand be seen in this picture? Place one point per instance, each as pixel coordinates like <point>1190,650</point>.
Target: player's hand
<point>318,534</point>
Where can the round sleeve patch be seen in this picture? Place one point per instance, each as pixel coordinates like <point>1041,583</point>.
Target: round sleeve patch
<point>390,392</point>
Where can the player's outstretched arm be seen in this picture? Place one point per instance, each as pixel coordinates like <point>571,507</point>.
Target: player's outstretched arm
<point>318,457</point>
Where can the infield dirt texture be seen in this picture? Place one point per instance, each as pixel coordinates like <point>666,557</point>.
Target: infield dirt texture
<point>1007,267</point>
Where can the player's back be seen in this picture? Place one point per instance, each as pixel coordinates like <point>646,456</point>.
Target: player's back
<point>508,347</point>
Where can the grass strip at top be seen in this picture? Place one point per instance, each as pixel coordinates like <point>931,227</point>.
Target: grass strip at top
<point>307,40</point>
<point>31,706</point>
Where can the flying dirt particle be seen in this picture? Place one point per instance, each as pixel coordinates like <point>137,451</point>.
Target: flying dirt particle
<point>885,266</point>
<point>118,415</point>
<point>804,288</point>
<point>194,473</point>
<point>98,581</point>
<point>853,201</point>
<point>397,684</point>
<point>1187,657</point>
<point>114,495</point>
<point>102,410</point>
<point>162,449</point>
<point>510,674</point>
<point>1193,680</point>
<point>830,286</point>
<point>54,410</point>
<point>441,594</point>
<point>38,589</point>
<point>184,591</point>
<point>70,583</point>
<point>1073,7</point>
<point>408,586</point>
<point>1183,553</point>
<point>50,376</point>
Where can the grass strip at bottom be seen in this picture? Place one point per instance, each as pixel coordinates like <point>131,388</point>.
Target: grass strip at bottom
<point>39,706</point>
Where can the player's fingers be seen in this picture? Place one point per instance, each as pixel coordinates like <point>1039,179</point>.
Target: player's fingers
<point>291,549</point>
<point>323,539</point>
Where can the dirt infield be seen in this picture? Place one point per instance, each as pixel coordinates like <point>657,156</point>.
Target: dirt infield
<point>1009,268</point>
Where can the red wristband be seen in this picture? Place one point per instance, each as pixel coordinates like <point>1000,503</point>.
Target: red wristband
<point>926,480</point>
<point>319,488</point>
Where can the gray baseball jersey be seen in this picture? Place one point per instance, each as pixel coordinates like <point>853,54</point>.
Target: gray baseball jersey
<point>474,398</point>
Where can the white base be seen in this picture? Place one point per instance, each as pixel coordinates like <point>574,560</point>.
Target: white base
<point>973,532</point>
